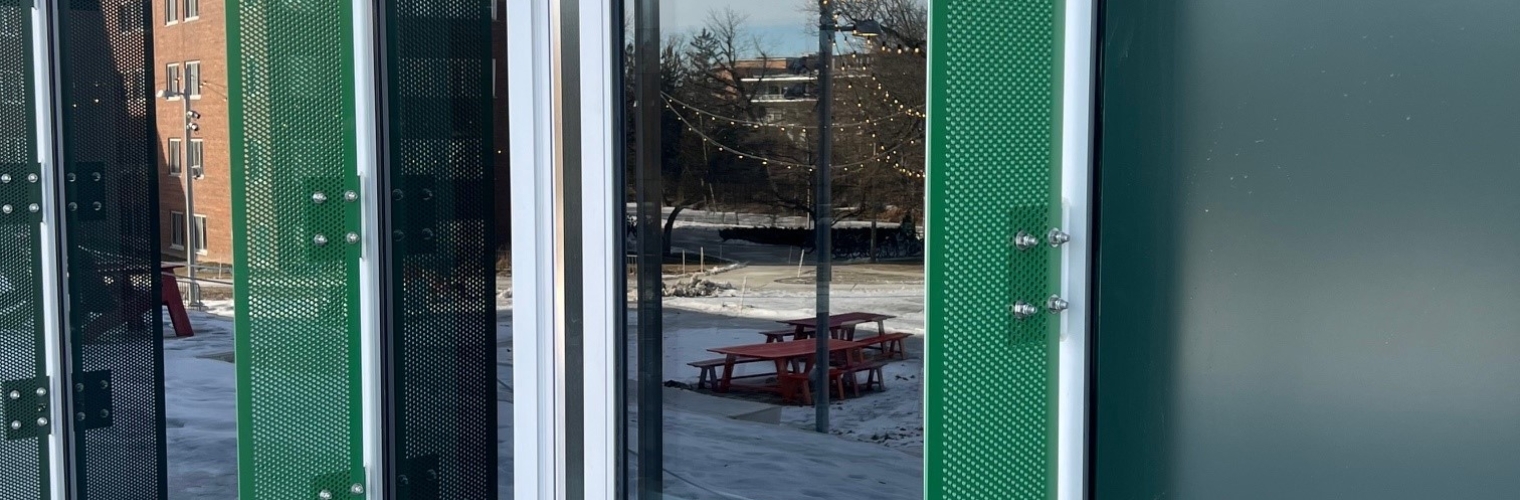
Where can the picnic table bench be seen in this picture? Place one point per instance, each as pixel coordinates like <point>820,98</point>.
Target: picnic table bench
<point>841,326</point>
<point>782,353</point>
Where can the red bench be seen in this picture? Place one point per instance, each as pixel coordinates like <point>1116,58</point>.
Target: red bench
<point>774,336</point>
<point>890,344</point>
<point>709,367</point>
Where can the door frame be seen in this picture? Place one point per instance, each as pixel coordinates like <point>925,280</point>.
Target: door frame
<point>541,64</point>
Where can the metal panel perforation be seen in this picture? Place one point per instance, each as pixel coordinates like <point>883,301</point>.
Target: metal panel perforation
<point>992,173</point>
<point>23,462</point>
<point>300,426</point>
<point>109,156</point>
<point>440,154</point>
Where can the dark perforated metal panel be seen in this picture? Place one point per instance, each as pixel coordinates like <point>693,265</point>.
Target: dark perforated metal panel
<point>23,457</point>
<point>442,273</point>
<point>111,219</point>
<point>993,172</point>
<point>298,356</point>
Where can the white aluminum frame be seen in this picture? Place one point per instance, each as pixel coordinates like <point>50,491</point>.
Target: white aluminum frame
<point>371,308</point>
<point>601,197</point>
<point>54,257</point>
<point>1076,188</point>
<point>537,435</point>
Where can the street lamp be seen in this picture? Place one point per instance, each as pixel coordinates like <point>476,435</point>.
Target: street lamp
<point>823,210</point>
<point>189,174</point>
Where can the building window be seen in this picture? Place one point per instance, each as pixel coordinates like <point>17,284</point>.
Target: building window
<point>171,81</point>
<point>177,230</point>
<point>192,9</point>
<point>200,234</point>
<point>196,157</point>
<point>171,11</point>
<point>193,79</point>
<point>174,156</point>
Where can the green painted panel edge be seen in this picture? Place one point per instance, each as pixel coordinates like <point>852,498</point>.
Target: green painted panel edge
<point>990,380</point>
<point>242,286</point>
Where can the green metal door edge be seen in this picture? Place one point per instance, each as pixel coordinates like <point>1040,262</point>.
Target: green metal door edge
<point>23,460</point>
<point>994,170</point>
<point>300,406</point>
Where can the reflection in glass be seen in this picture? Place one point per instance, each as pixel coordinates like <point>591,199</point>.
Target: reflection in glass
<point>723,133</point>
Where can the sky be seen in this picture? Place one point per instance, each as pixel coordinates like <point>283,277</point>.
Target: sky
<point>779,25</point>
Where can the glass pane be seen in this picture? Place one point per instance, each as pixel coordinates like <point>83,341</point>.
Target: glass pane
<point>723,273</point>
<point>1308,268</point>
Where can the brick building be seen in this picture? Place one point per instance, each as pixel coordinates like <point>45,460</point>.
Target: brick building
<point>190,56</point>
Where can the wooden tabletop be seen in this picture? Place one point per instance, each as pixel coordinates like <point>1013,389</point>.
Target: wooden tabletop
<point>839,320</point>
<point>785,350</point>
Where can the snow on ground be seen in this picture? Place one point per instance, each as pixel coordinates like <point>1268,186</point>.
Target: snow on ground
<point>874,453</point>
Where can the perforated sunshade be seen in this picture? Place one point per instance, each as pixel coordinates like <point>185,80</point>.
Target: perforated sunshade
<point>23,445</point>
<point>109,157</point>
<point>442,275</point>
<point>993,171</point>
<point>293,163</point>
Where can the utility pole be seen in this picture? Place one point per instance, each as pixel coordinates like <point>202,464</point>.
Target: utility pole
<point>823,246</point>
<point>189,175</point>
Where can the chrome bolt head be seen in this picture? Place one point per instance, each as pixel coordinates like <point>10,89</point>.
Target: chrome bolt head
<point>32,178</point>
<point>5,178</point>
<point>79,416</point>
<point>73,207</point>
<point>15,394</point>
<point>319,197</point>
<point>105,413</point>
<point>350,196</point>
<point>319,240</point>
<point>1056,304</point>
<point>357,489</point>
<point>15,425</point>
<point>41,391</point>
<point>351,238</point>
<point>324,495</point>
<point>42,421</point>
<point>1025,241</point>
<point>1024,310</point>
<point>34,208</point>
<point>7,209</point>
<point>1056,237</point>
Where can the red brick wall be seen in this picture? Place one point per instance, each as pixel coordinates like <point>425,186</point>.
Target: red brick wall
<point>201,39</point>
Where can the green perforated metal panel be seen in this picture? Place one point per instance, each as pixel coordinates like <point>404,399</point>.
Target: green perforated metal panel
<point>23,449</point>
<point>298,357</point>
<point>110,165</point>
<point>993,172</point>
<point>442,274</point>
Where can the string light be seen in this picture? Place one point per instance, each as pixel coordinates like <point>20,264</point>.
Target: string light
<point>885,151</point>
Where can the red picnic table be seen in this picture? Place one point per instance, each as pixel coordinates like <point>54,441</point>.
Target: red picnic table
<point>841,326</point>
<point>779,353</point>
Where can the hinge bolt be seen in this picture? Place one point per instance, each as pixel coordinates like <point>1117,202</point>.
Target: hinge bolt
<point>1056,304</point>
<point>1025,241</point>
<point>357,489</point>
<point>1056,237</point>
<point>350,196</point>
<point>1024,310</point>
<point>319,197</point>
<point>319,240</point>
<point>352,238</point>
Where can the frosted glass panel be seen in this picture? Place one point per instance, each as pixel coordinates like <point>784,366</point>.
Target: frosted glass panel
<point>1309,272</point>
